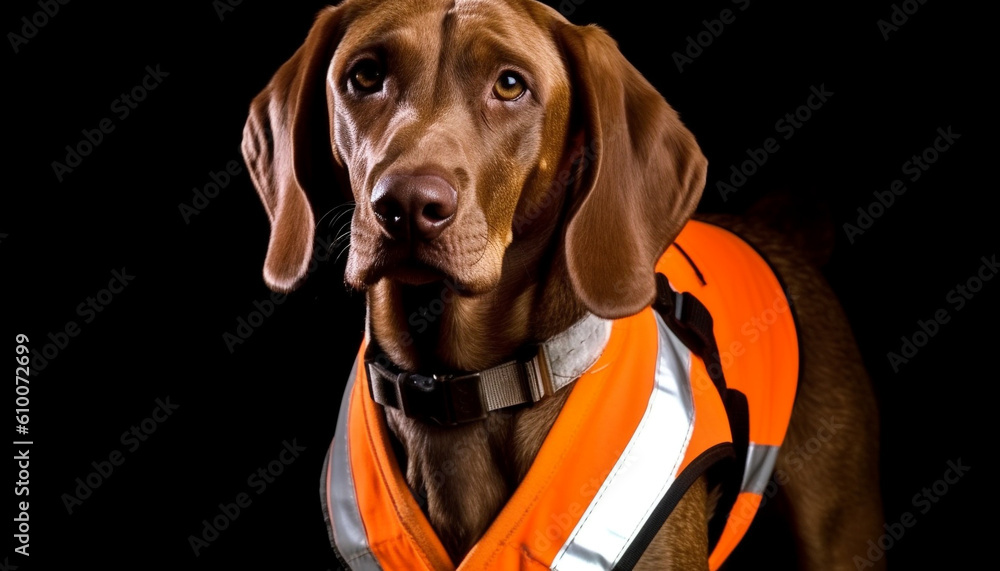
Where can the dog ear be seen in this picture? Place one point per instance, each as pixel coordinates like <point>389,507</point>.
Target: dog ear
<point>643,174</point>
<point>286,145</point>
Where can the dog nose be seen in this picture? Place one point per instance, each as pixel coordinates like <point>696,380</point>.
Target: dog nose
<point>412,207</point>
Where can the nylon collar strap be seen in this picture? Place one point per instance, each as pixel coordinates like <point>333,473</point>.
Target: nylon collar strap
<point>465,397</point>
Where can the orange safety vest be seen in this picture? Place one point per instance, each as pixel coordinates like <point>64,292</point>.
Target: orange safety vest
<point>597,492</point>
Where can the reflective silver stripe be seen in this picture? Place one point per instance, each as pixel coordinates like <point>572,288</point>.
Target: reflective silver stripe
<point>644,471</point>
<point>348,531</point>
<point>761,459</point>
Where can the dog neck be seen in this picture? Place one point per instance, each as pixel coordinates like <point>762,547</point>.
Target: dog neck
<point>437,328</point>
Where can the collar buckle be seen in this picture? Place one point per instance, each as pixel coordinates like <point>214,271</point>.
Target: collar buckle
<point>539,376</point>
<point>447,400</point>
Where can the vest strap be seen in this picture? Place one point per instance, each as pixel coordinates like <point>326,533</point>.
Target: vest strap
<point>691,321</point>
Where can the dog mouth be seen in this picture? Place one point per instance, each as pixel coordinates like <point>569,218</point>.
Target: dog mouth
<point>464,255</point>
<point>410,263</point>
<point>413,270</point>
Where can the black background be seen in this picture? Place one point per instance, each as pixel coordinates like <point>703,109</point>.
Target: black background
<point>162,336</point>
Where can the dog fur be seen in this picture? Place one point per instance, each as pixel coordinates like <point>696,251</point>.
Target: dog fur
<point>564,197</point>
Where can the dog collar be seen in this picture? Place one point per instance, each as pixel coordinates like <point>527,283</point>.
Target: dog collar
<point>451,399</point>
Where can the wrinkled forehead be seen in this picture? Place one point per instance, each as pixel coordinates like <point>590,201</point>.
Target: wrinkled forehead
<point>470,33</point>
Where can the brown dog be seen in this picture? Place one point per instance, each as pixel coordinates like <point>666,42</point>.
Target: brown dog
<point>521,159</point>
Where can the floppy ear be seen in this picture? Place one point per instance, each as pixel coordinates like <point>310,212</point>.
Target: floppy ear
<point>286,145</point>
<point>643,176</point>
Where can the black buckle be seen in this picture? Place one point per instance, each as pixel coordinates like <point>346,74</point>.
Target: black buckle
<point>444,399</point>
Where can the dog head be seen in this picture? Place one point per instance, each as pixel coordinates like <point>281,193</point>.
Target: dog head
<point>469,132</point>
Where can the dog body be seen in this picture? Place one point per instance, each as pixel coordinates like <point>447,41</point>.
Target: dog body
<point>521,160</point>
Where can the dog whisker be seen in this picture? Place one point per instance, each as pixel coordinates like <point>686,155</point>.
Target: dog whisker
<point>346,247</point>
<point>344,232</point>
<point>349,212</point>
<point>346,208</point>
<point>345,235</point>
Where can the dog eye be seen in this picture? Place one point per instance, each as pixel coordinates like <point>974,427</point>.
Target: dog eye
<point>367,76</point>
<point>509,86</point>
